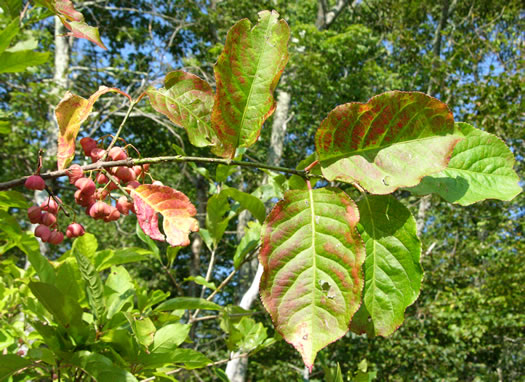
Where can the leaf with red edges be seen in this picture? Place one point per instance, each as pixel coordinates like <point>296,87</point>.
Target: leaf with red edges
<point>73,20</point>
<point>312,256</point>
<point>173,205</point>
<point>392,141</point>
<point>247,73</point>
<point>70,113</point>
<point>187,101</point>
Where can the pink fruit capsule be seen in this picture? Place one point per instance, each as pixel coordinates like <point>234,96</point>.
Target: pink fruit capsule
<point>34,214</point>
<point>101,193</point>
<point>35,182</point>
<point>56,237</point>
<point>74,230</point>
<point>50,205</point>
<point>116,153</point>
<point>101,178</point>
<point>49,219</point>
<point>86,186</point>
<point>74,172</point>
<point>97,154</point>
<point>88,144</point>
<point>43,232</point>
<point>124,205</point>
<point>125,174</point>
<point>113,215</point>
<point>133,184</point>
<point>99,210</point>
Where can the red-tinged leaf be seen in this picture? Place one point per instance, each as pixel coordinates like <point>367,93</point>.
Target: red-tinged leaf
<point>70,113</point>
<point>73,20</point>
<point>187,101</point>
<point>80,29</point>
<point>392,141</point>
<point>247,73</point>
<point>174,206</point>
<point>312,256</point>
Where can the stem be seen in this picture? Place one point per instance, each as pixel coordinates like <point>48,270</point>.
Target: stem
<point>116,181</point>
<point>208,276</point>
<point>208,272</point>
<point>129,162</point>
<point>115,138</point>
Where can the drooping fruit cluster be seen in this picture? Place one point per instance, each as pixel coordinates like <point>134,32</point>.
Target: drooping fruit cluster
<point>45,216</point>
<point>93,193</point>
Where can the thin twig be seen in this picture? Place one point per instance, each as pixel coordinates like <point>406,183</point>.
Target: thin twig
<point>115,138</point>
<point>129,162</point>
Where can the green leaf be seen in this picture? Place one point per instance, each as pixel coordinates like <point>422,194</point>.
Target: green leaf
<point>333,374</point>
<point>64,309</point>
<point>143,329</point>
<point>481,168</point>
<point>8,34</point>
<point>13,199</point>
<point>69,279</point>
<point>392,141</point>
<point>29,245</point>
<point>147,240</point>
<point>201,281</point>
<point>250,241</point>
<point>216,221</point>
<point>247,201</point>
<point>392,270</point>
<point>187,101</point>
<point>12,62</point>
<point>10,364</point>
<point>106,259</point>
<point>169,337</point>
<point>223,172</point>
<point>186,358</point>
<point>247,335</point>
<point>86,245</point>
<point>312,257</point>
<point>11,8</point>
<point>100,368</point>
<point>247,73</point>
<point>119,291</point>
<point>94,288</point>
<point>5,127</point>
<point>187,303</point>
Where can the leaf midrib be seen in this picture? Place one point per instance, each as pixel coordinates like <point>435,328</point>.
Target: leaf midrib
<point>314,263</point>
<point>264,48</point>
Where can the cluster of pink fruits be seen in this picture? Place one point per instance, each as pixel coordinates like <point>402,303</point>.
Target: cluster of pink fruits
<point>94,199</point>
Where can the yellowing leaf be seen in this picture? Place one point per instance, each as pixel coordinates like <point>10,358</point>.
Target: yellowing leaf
<point>173,205</point>
<point>70,113</point>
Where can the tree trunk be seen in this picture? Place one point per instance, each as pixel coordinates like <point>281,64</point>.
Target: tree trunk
<point>447,7</point>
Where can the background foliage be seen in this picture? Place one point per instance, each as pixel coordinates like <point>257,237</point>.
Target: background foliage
<point>467,322</point>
